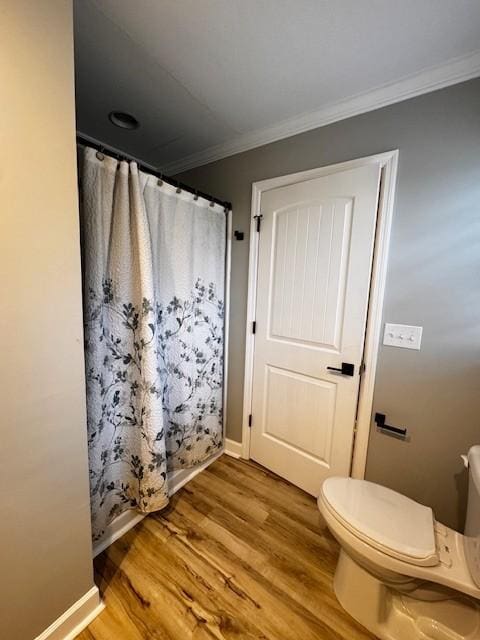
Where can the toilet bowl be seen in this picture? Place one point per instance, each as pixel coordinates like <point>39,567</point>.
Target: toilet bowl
<point>400,573</point>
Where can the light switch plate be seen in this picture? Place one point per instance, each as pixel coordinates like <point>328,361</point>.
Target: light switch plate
<point>402,335</point>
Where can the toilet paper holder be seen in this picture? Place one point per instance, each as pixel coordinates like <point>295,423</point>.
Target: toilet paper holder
<point>380,422</point>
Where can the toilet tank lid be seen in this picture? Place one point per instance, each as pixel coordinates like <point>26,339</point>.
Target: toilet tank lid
<point>387,519</point>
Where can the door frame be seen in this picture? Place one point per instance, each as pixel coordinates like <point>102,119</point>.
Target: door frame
<point>388,162</point>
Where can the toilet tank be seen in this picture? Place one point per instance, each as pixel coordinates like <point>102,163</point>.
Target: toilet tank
<point>472,523</point>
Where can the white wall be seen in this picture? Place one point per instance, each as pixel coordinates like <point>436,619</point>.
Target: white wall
<point>45,552</point>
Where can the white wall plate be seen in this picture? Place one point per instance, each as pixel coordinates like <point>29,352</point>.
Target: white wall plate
<point>402,335</point>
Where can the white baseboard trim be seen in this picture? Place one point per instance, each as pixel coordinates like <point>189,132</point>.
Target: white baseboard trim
<point>233,448</point>
<point>179,478</point>
<point>76,618</point>
<point>116,529</point>
<point>128,519</point>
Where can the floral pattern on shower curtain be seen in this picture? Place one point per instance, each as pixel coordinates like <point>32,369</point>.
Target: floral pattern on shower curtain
<point>154,279</point>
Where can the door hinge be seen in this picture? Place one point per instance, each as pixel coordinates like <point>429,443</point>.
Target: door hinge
<point>362,368</point>
<point>258,220</point>
<point>254,326</point>
<point>250,420</point>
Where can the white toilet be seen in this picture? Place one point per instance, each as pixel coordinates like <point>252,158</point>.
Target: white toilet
<point>402,574</point>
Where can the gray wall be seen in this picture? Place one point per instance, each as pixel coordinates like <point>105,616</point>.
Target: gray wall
<point>46,561</point>
<point>433,279</point>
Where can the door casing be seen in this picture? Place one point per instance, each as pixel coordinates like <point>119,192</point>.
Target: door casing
<point>388,162</point>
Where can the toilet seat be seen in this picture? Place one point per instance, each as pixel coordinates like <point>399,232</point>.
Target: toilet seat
<point>385,519</point>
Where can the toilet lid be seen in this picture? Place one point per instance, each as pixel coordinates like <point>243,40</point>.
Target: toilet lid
<point>383,517</point>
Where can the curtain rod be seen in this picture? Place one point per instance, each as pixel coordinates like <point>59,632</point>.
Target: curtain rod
<point>121,155</point>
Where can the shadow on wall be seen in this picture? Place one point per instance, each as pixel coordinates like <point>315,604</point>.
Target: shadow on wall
<point>461,485</point>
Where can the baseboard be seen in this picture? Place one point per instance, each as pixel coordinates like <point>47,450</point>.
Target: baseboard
<point>116,529</point>
<point>128,519</point>
<point>178,479</point>
<point>233,448</point>
<point>76,618</point>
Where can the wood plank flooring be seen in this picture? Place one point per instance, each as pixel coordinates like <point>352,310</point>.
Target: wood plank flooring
<point>239,553</point>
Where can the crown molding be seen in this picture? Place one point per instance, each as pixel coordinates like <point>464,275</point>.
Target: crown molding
<point>432,79</point>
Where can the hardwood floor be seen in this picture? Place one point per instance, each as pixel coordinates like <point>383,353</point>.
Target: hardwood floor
<point>239,553</point>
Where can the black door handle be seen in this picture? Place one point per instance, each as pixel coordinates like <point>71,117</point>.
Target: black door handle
<point>347,369</point>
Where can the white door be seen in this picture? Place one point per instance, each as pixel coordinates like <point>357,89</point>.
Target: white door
<point>314,264</point>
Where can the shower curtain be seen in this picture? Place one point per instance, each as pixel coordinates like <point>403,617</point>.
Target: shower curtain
<point>154,281</point>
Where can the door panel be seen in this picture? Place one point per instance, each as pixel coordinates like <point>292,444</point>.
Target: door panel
<point>310,248</point>
<point>314,265</point>
<point>292,398</point>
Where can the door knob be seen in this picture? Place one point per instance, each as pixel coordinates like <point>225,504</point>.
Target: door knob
<point>347,369</point>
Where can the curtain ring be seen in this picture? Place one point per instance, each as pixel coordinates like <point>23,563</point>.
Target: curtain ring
<point>100,155</point>
<point>160,181</point>
<point>212,203</point>
<point>195,197</point>
<point>179,190</point>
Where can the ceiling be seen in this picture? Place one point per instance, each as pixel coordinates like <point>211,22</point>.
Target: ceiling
<point>207,78</point>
